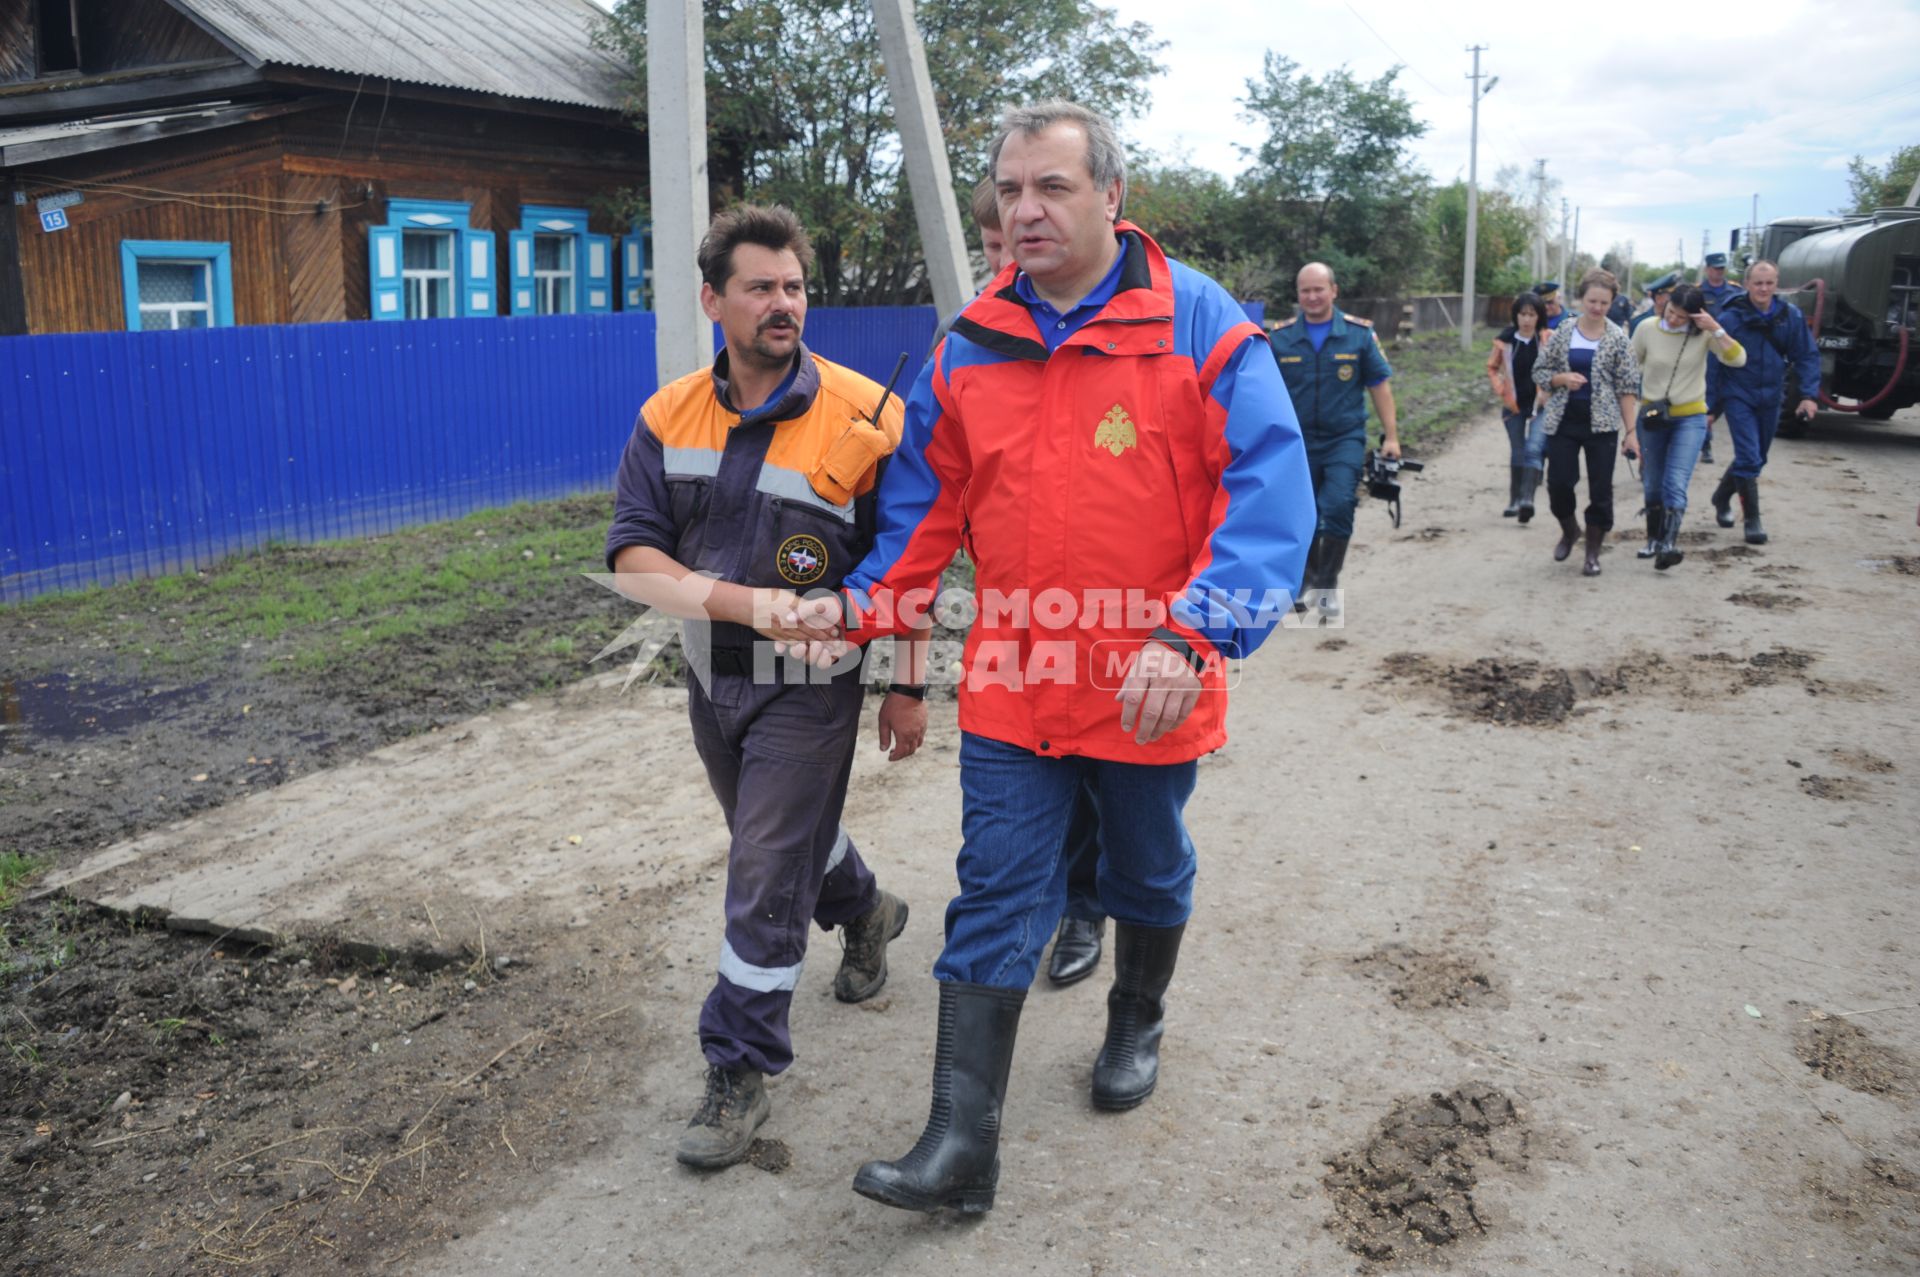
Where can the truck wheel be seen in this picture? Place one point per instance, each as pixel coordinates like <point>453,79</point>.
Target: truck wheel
<point>1879,412</point>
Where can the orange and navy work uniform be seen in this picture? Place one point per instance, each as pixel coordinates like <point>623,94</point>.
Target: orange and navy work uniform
<point>782,496</point>
<point>1146,473</point>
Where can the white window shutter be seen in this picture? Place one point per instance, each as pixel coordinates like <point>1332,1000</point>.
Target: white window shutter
<point>520,299</point>
<point>633,272</point>
<point>384,297</point>
<point>596,281</point>
<point>478,291</point>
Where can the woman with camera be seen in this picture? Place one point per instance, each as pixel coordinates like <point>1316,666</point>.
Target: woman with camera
<point>1589,366</point>
<point>1510,369</point>
<point>1672,351</point>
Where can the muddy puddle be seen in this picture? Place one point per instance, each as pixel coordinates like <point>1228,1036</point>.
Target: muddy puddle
<point>1510,692</point>
<point>1407,1194</point>
<point>1841,1051</point>
<point>48,711</point>
<point>1420,981</point>
<point>1767,600</point>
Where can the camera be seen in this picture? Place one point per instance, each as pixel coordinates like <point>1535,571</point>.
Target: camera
<point>1382,479</point>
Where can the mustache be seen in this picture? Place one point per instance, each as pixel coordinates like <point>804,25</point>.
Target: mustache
<point>777,321</point>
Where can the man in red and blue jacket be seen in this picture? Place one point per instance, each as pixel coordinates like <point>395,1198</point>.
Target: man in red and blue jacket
<point>1108,437</point>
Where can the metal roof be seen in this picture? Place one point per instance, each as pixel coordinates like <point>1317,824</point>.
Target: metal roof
<point>537,49</point>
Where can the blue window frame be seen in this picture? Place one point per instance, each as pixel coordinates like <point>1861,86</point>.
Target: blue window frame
<point>427,262</point>
<point>176,283</point>
<point>556,266</point>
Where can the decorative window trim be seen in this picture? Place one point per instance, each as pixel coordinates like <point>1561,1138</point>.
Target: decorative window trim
<point>549,219</point>
<point>218,255</point>
<point>429,215</point>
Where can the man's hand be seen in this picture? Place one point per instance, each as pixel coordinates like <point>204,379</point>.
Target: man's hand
<point>817,618</point>
<point>1806,410</point>
<point>1160,691</point>
<point>903,725</point>
<point>1390,448</point>
<point>773,611</point>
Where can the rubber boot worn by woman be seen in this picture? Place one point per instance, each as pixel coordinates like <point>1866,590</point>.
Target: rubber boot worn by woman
<point>1723,498</point>
<point>1569,533</point>
<point>1515,480</point>
<point>1656,516</point>
<point>1668,552</point>
<point>1128,1067</point>
<point>1595,537</point>
<point>957,1159</point>
<point>1529,484</point>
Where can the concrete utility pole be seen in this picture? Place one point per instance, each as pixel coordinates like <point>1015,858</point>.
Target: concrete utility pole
<point>1539,219</point>
<point>1706,240</point>
<point>1473,198</point>
<point>677,153</point>
<point>1573,250</point>
<point>929,176</point>
<point>1563,241</point>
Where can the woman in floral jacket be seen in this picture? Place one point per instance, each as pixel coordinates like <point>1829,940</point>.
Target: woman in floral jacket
<point>1590,369</point>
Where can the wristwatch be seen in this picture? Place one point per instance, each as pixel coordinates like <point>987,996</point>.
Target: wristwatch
<point>1195,660</point>
<point>918,693</point>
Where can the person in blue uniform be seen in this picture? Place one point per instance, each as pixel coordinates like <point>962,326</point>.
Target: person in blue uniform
<point>1548,291</point>
<point>1777,339</point>
<point>1714,283</point>
<point>1333,364</point>
<point>1657,291</point>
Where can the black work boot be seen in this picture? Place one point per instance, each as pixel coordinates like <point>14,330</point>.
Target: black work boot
<point>1750,507</point>
<point>733,1108</point>
<point>863,957</point>
<point>1596,537</point>
<point>1333,557</point>
<point>1076,949</point>
<point>1569,533</point>
<point>957,1159</point>
<point>1723,498</point>
<point>1656,516</point>
<point>1312,573</point>
<point>1669,553</point>
<point>1128,1066</point>
<point>1514,481</point>
<point>1529,484</point>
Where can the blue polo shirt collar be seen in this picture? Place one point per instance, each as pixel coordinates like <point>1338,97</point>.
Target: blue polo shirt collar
<point>1056,326</point>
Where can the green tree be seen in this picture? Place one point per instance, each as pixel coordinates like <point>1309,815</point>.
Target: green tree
<point>1503,232</point>
<point>1332,180</point>
<point>798,111</point>
<point>1886,186</point>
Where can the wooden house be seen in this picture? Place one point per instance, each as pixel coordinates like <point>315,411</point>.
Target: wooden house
<point>192,163</point>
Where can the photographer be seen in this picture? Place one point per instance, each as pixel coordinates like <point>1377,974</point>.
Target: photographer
<point>1589,366</point>
<point>1672,352</point>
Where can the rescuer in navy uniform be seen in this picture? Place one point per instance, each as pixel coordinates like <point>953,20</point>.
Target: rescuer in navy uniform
<point>1332,364</point>
<point>1548,291</point>
<point>1657,291</point>
<point>1778,341</point>
<point>1714,283</point>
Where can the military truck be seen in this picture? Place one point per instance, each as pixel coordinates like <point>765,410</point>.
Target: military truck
<point>1858,281</point>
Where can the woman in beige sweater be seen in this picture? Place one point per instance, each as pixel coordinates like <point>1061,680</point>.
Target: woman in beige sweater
<point>1672,352</point>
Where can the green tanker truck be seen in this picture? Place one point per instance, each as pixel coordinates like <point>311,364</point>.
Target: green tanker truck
<point>1857,279</point>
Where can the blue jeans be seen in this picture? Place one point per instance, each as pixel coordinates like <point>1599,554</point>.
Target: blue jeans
<point>1334,465</point>
<point>1667,457</point>
<point>1751,425</point>
<point>1082,853</point>
<point>1526,438</point>
<point>1016,808</point>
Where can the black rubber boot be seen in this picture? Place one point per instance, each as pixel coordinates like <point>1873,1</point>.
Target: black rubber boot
<point>1669,551</point>
<point>1569,533</point>
<point>1596,537</point>
<point>1128,1066</point>
<point>1514,482</point>
<point>1076,950</point>
<point>1529,484</point>
<point>1723,499</point>
<point>1312,573</point>
<point>1750,506</point>
<point>957,1159</point>
<point>1656,516</point>
<point>1333,557</point>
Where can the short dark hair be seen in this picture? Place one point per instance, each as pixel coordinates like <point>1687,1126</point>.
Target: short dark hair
<point>1597,278</point>
<point>1688,298</point>
<point>1527,301</point>
<point>986,205</point>
<point>769,225</point>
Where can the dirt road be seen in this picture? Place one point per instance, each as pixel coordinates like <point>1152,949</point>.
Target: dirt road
<point>1544,925</point>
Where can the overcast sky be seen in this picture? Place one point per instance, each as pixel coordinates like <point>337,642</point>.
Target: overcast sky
<point>1657,129</point>
<point>1660,119</point>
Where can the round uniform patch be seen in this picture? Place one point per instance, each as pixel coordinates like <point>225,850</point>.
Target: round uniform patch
<point>1346,372</point>
<point>802,559</point>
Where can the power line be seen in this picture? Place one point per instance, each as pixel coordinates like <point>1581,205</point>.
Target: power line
<point>1395,52</point>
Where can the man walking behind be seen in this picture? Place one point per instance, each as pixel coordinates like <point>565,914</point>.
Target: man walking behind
<point>1111,440</point>
<point>1333,364</point>
<point>741,484</point>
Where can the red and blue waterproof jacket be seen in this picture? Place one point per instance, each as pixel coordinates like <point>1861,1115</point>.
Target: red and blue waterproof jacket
<point>1147,474</point>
